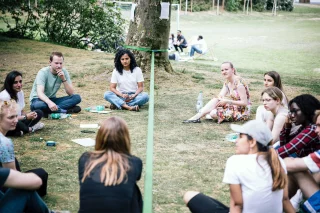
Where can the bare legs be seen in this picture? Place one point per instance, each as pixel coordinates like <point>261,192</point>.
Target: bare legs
<point>210,107</point>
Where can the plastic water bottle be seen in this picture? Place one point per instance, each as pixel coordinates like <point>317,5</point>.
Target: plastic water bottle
<point>58,116</point>
<point>97,108</point>
<point>199,104</point>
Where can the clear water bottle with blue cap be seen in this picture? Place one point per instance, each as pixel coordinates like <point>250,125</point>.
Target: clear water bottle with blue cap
<point>199,104</point>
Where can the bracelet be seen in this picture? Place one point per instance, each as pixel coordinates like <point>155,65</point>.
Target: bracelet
<point>64,81</point>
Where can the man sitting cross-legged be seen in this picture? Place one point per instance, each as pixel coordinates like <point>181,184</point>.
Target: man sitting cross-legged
<point>46,85</point>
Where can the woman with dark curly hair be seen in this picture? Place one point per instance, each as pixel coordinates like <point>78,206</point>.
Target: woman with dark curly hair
<point>305,140</point>
<point>126,86</point>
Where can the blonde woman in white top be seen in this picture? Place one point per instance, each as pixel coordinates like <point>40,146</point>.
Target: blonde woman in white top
<point>272,102</point>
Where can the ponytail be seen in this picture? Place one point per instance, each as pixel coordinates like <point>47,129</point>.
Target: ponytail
<point>279,177</point>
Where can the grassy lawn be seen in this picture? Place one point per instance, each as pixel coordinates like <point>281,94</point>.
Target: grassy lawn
<point>186,157</point>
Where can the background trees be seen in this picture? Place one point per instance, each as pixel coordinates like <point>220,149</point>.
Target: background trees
<point>64,22</point>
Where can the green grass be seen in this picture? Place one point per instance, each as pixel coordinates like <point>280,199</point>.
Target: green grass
<point>186,157</point>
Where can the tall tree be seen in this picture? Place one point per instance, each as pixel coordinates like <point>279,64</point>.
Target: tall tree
<point>148,30</point>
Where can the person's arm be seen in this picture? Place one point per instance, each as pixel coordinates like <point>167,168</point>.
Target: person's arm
<point>277,126</point>
<point>139,90</point>
<point>66,82</point>
<point>10,165</point>
<point>18,180</point>
<point>40,91</point>
<point>287,206</point>
<point>223,92</point>
<point>243,98</point>
<point>236,201</point>
<point>295,164</point>
<point>302,140</point>
<point>113,88</point>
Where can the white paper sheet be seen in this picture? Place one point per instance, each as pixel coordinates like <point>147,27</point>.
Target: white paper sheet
<point>133,8</point>
<point>89,126</point>
<point>84,141</point>
<point>164,10</point>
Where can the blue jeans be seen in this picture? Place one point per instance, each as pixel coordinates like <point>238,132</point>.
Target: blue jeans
<point>140,100</point>
<point>194,48</point>
<point>17,200</point>
<point>62,103</point>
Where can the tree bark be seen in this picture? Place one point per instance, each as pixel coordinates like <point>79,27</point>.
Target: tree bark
<point>191,5</point>
<point>148,30</point>
<point>222,8</point>
<point>212,5</point>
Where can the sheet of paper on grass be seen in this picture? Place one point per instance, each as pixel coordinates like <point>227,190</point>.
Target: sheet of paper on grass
<point>85,141</point>
<point>101,112</point>
<point>89,126</point>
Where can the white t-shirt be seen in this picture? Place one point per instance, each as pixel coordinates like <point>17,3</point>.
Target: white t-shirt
<point>256,183</point>
<point>4,96</point>
<point>202,45</point>
<point>127,82</point>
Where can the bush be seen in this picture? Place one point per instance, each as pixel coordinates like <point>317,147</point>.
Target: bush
<point>232,5</point>
<point>285,5</point>
<point>67,23</point>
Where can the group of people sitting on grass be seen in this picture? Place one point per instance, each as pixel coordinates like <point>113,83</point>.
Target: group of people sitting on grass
<point>198,45</point>
<point>261,178</point>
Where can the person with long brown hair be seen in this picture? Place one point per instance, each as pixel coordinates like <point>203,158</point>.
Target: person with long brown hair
<point>108,175</point>
<point>256,176</point>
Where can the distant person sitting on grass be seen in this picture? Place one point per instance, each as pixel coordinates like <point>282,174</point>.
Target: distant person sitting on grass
<point>256,176</point>
<point>200,46</point>
<point>47,84</point>
<point>232,103</point>
<point>27,122</point>
<point>108,175</point>
<point>181,42</point>
<point>126,85</point>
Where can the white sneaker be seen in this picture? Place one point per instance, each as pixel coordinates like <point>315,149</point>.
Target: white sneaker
<point>37,126</point>
<point>296,200</point>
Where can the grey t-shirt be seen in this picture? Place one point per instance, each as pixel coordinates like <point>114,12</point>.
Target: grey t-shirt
<point>50,82</point>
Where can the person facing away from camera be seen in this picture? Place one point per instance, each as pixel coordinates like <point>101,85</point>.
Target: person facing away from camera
<point>108,175</point>
<point>46,85</point>
<point>27,122</point>
<point>256,176</point>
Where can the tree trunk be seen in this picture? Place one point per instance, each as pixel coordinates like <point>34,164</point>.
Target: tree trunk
<point>218,4</point>
<point>222,8</point>
<point>212,5</point>
<point>191,5</point>
<point>148,30</point>
<point>244,6</point>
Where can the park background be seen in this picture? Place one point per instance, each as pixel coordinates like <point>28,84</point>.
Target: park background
<point>186,156</point>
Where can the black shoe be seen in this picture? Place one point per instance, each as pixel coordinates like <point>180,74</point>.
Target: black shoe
<point>75,109</point>
<point>113,107</point>
<point>192,121</point>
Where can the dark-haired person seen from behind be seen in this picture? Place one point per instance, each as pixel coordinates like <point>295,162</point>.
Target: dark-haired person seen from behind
<point>305,140</point>
<point>27,122</point>
<point>126,86</point>
<point>256,176</point>
<point>47,84</point>
<point>108,175</point>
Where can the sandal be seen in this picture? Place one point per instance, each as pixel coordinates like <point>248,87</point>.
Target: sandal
<point>134,108</point>
<point>192,121</point>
